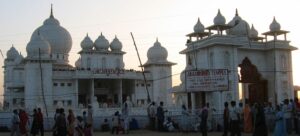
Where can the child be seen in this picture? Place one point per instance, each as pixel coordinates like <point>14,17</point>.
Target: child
<point>115,123</point>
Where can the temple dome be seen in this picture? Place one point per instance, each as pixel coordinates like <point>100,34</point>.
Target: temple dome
<point>274,26</point>
<point>58,37</point>
<point>12,53</point>
<point>219,19</point>
<point>157,53</point>
<point>101,43</point>
<point>199,27</point>
<point>253,32</point>
<point>116,45</point>
<point>38,45</point>
<point>87,43</point>
<point>238,26</point>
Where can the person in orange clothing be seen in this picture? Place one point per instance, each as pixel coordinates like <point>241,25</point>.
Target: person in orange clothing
<point>247,118</point>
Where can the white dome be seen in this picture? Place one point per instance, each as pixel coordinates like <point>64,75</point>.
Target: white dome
<point>78,63</point>
<point>58,37</point>
<point>116,44</point>
<point>199,27</point>
<point>36,44</point>
<point>274,26</point>
<point>101,43</point>
<point>87,43</point>
<point>253,32</point>
<point>157,53</point>
<point>12,53</point>
<point>219,19</point>
<point>236,19</point>
<point>241,28</point>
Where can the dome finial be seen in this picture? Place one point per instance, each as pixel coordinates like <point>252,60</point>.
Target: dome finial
<point>51,13</point>
<point>236,12</point>
<point>101,34</point>
<point>87,34</point>
<point>116,36</point>
<point>156,39</point>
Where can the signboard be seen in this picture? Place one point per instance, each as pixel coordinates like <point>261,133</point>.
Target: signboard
<point>207,80</point>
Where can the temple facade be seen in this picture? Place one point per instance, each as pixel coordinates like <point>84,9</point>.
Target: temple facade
<point>45,78</point>
<point>259,68</point>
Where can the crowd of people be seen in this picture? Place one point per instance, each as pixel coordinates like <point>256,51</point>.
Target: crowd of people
<point>261,119</point>
<point>258,119</point>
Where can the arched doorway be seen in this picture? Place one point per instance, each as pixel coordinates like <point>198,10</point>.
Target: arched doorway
<point>256,86</point>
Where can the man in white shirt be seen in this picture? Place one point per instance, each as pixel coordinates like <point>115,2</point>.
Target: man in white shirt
<point>234,116</point>
<point>15,121</point>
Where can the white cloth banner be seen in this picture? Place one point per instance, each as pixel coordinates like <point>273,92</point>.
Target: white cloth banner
<point>207,80</point>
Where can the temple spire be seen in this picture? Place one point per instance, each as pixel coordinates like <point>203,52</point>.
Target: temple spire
<point>236,12</point>
<point>51,13</point>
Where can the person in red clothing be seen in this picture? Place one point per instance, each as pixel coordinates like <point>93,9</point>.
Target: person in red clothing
<point>40,121</point>
<point>23,122</point>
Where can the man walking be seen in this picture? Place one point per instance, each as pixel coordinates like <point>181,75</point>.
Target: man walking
<point>160,116</point>
<point>15,121</point>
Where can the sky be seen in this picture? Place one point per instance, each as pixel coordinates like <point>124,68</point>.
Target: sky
<point>167,20</point>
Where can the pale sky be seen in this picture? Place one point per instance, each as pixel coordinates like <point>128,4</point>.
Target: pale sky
<point>169,20</point>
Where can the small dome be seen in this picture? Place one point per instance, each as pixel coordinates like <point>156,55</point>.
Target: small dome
<point>101,43</point>
<point>12,53</point>
<point>36,45</point>
<point>274,26</point>
<point>116,44</point>
<point>199,28</point>
<point>58,37</point>
<point>78,63</point>
<point>219,19</point>
<point>87,43</point>
<point>253,32</point>
<point>19,59</point>
<point>157,53</point>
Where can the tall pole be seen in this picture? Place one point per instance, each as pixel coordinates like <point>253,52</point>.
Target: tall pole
<point>145,81</point>
<point>275,91</point>
<point>42,85</point>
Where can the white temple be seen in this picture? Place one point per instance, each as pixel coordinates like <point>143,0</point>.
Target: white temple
<point>260,68</point>
<point>99,77</point>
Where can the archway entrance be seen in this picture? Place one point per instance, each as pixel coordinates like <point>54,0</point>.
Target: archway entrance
<point>256,87</point>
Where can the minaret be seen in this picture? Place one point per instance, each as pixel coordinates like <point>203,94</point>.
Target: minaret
<point>161,70</point>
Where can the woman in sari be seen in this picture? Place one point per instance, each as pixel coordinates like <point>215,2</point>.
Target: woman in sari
<point>247,119</point>
<point>23,122</point>
<point>71,123</point>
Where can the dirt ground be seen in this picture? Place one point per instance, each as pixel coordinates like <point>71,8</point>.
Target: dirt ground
<point>146,133</point>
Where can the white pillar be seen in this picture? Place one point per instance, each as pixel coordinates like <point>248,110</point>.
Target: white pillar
<point>76,94</point>
<point>193,100</point>
<point>120,92</point>
<point>92,91</point>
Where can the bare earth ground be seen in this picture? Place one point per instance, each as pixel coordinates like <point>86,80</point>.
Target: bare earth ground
<point>148,133</point>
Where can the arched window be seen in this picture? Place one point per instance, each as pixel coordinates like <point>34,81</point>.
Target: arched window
<point>103,63</point>
<point>211,60</point>
<point>118,63</point>
<point>226,61</point>
<point>88,63</point>
<point>283,62</point>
